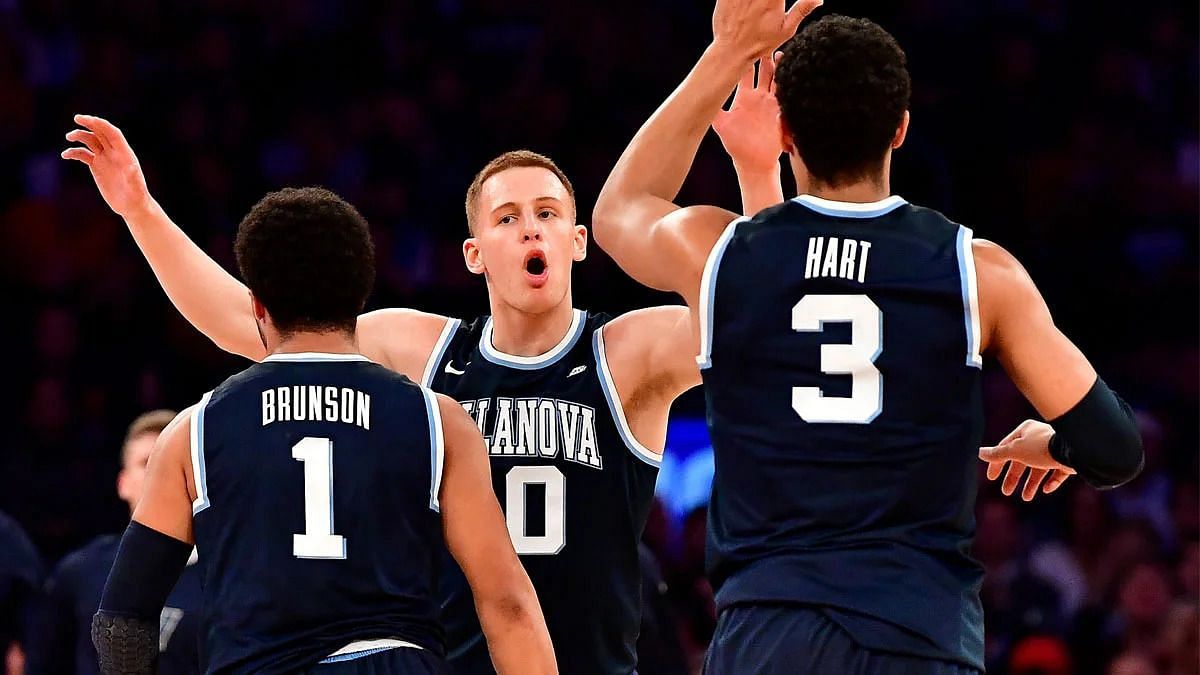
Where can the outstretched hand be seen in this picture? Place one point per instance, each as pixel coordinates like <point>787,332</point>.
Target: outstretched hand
<point>749,130</point>
<point>752,27</point>
<point>113,165</point>
<point>1026,449</point>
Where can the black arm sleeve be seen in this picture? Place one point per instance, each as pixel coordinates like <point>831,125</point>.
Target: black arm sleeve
<point>125,630</point>
<point>1099,438</point>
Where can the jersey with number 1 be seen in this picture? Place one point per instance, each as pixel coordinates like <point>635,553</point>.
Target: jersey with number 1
<point>316,518</point>
<point>840,357</point>
<point>575,486</point>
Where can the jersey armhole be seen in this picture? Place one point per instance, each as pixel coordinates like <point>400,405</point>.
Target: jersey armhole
<point>439,350</point>
<point>199,477</point>
<point>970,295</point>
<point>708,292</point>
<point>609,387</point>
<point>437,447</point>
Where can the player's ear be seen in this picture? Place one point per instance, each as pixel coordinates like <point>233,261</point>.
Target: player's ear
<point>579,243</point>
<point>473,256</point>
<point>259,309</point>
<point>901,131</point>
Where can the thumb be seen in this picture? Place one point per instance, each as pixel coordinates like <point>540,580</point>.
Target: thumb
<point>995,453</point>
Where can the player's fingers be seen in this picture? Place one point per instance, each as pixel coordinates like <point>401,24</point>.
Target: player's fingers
<point>995,469</point>
<point>799,10</point>
<point>108,132</point>
<point>79,154</point>
<point>86,138</point>
<point>1013,478</point>
<point>1056,481</point>
<point>775,58</point>
<point>996,453</point>
<point>766,72</point>
<point>1033,482</point>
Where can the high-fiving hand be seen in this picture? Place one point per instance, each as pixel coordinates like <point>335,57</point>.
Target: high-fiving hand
<point>749,130</point>
<point>754,27</point>
<point>114,166</point>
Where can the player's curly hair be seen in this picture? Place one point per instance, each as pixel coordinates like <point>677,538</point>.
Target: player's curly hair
<point>307,255</point>
<point>843,87</point>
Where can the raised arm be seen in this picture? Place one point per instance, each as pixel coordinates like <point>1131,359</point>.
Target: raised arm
<point>631,218</point>
<point>1090,429</point>
<point>210,298</point>
<point>478,539</point>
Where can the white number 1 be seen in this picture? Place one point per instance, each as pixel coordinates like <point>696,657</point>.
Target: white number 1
<point>856,359</point>
<point>318,540</point>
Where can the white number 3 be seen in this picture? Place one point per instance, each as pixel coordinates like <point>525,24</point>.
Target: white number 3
<point>856,359</point>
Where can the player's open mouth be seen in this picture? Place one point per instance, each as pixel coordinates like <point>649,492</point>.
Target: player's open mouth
<point>536,269</point>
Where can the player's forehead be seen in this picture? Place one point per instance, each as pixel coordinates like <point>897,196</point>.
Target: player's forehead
<point>139,447</point>
<point>521,185</point>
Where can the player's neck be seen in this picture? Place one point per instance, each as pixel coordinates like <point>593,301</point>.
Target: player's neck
<point>862,192</point>
<point>525,334</point>
<point>321,343</point>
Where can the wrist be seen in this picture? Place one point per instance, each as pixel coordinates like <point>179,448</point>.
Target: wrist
<point>728,52</point>
<point>142,213</point>
<point>757,169</point>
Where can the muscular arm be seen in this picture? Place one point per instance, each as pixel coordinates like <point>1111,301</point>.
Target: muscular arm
<point>1094,430</point>
<point>210,298</point>
<point>476,535</point>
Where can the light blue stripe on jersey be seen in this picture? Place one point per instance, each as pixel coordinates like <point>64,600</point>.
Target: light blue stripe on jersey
<point>437,447</point>
<point>970,293</point>
<point>489,351</point>
<point>609,388</point>
<point>439,350</point>
<point>708,292</point>
<point>199,475</point>
<point>829,207</point>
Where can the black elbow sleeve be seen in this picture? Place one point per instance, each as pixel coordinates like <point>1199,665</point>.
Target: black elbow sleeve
<point>125,645</point>
<point>1099,438</point>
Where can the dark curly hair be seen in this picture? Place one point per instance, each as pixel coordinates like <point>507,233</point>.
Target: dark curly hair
<point>843,88</point>
<point>307,255</point>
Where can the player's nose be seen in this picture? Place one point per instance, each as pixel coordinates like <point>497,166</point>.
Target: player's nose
<point>531,230</point>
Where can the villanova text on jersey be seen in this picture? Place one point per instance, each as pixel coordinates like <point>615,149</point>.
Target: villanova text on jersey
<point>316,516</point>
<point>840,357</point>
<point>575,486</point>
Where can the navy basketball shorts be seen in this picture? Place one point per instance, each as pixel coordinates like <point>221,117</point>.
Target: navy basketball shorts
<point>394,661</point>
<point>796,640</point>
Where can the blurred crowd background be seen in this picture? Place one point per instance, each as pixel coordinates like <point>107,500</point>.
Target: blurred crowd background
<point>1064,130</point>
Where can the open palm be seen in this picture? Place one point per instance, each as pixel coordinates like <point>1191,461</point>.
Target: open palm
<point>749,130</point>
<point>113,165</point>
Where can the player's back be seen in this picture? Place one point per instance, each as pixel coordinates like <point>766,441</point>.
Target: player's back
<point>841,352</point>
<point>316,518</point>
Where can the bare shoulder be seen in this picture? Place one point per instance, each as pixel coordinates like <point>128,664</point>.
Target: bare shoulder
<point>641,327</point>
<point>401,339</point>
<point>999,273</point>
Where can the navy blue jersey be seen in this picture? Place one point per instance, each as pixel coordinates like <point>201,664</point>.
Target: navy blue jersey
<point>316,514</point>
<point>840,348</point>
<point>61,642</point>
<point>575,486</point>
<point>20,579</point>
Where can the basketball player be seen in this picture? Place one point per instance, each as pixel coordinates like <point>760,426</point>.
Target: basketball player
<point>574,406</point>
<point>60,643</point>
<point>841,338</point>
<point>317,486</point>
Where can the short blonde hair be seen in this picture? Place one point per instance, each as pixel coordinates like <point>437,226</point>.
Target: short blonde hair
<point>152,422</point>
<point>514,159</point>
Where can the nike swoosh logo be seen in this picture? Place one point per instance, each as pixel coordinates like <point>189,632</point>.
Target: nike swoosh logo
<point>454,371</point>
<point>576,370</point>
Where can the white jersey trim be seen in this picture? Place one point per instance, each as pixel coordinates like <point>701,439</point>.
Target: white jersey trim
<point>609,387</point>
<point>437,447</point>
<point>708,291</point>
<point>439,350</point>
<point>830,207</point>
<point>199,476</point>
<point>314,357</point>
<point>970,293</point>
<point>556,352</point>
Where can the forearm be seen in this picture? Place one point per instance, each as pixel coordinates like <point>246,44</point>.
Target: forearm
<point>211,299</point>
<point>516,634</point>
<point>647,177</point>
<point>1099,438</point>
<point>760,188</point>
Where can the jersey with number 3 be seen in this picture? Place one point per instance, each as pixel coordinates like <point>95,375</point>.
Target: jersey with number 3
<point>840,357</point>
<point>316,518</point>
<point>575,486</point>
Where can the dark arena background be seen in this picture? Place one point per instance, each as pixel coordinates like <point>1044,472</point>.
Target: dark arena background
<point>1064,130</point>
